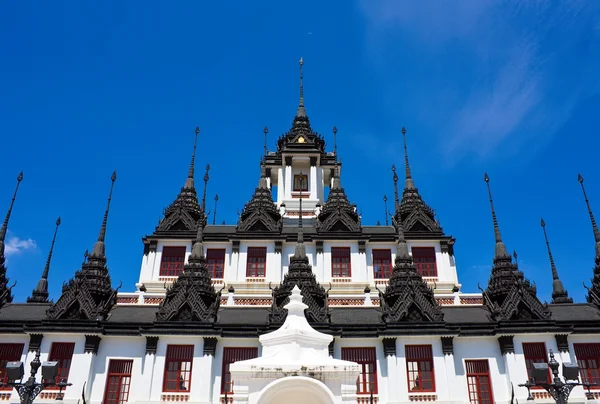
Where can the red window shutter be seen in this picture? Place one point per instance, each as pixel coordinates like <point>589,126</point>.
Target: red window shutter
<point>118,381</point>
<point>424,259</point>
<point>479,382</point>
<point>62,352</point>
<point>419,367</point>
<point>367,358</point>
<point>535,352</point>
<point>215,259</point>
<point>178,368</point>
<point>8,353</point>
<point>588,360</point>
<point>382,264</point>
<point>256,262</point>
<point>172,261</point>
<point>340,262</point>
<point>231,355</point>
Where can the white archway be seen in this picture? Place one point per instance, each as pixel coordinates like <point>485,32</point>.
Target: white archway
<point>296,390</point>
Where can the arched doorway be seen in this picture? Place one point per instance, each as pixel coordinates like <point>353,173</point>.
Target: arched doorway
<point>296,390</point>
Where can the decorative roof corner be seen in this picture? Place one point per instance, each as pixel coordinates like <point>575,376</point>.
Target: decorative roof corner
<point>89,294</point>
<point>407,297</point>
<point>300,275</point>
<point>593,292</point>
<point>260,213</point>
<point>192,297</point>
<point>338,215</point>
<point>6,291</point>
<point>40,293</point>
<point>509,296</point>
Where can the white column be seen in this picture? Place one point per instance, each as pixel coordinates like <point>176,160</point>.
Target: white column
<point>313,182</point>
<point>450,377</point>
<point>393,381</point>
<point>280,185</point>
<point>288,182</point>
<point>147,377</point>
<point>202,378</point>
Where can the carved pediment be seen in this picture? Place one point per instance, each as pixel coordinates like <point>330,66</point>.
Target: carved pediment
<point>260,213</point>
<point>183,214</point>
<point>338,215</point>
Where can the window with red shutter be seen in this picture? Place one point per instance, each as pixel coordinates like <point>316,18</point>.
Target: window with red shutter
<point>367,359</point>
<point>61,352</point>
<point>588,360</point>
<point>424,259</point>
<point>215,259</point>
<point>231,355</point>
<point>535,352</point>
<point>256,262</point>
<point>118,381</point>
<point>479,382</point>
<point>172,261</point>
<point>340,262</point>
<point>419,367</point>
<point>8,353</point>
<point>178,368</point>
<point>382,264</point>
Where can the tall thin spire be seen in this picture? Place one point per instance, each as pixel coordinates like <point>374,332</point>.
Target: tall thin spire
<point>396,198</point>
<point>189,182</point>
<point>4,228</point>
<point>559,294</point>
<point>99,247</point>
<point>594,226</point>
<point>301,110</point>
<point>198,247</point>
<point>500,250</point>
<point>206,178</point>
<point>40,293</point>
<point>409,184</point>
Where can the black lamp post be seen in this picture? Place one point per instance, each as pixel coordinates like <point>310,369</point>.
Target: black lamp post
<point>558,389</point>
<point>29,390</point>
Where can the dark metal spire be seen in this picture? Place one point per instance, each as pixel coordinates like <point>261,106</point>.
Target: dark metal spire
<point>500,250</point>
<point>40,293</point>
<point>559,294</point>
<point>198,247</point>
<point>99,247</point>
<point>594,226</point>
<point>396,198</point>
<point>215,212</point>
<point>265,131</point>
<point>7,218</point>
<point>334,130</point>
<point>206,177</point>
<point>301,110</point>
<point>189,183</point>
<point>409,184</point>
<point>300,248</point>
<point>386,210</point>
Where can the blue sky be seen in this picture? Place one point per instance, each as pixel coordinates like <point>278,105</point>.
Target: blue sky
<point>510,88</point>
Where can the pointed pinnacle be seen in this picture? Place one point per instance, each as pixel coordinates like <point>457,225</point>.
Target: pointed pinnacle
<point>500,250</point>
<point>98,250</point>
<point>301,110</point>
<point>395,178</point>
<point>206,178</point>
<point>198,247</point>
<point>594,225</point>
<point>47,267</point>
<point>189,182</point>
<point>4,227</point>
<point>552,266</point>
<point>409,184</point>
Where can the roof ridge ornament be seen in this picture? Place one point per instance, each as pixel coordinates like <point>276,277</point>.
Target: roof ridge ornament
<point>40,293</point>
<point>559,294</point>
<point>5,292</point>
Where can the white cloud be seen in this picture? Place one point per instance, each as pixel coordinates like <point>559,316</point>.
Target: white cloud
<point>16,246</point>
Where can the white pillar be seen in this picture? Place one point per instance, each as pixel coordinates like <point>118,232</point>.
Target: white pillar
<point>288,182</point>
<point>147,377</point>
<point>280,185</point>
<point>313,182</point>
<point>201,391</point>
<point>393,379</point>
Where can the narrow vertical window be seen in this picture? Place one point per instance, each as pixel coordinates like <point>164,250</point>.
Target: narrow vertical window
<point>215,259</point>
<point>419,367</point>
<point>382,264</point>
<point>118,381</point>
<point>300,182</point>
<point>172,261</point>
<point>479,382</point>
<point>367,359</point>
<point>588,360</point>
<point>8,353</point>
<point>535,352</point>
<point>256,262</point>
<point>424,259</point>
<point>178,368</point>
<point>231,355</point>
<point>61,352</point>
<point>340,262</point>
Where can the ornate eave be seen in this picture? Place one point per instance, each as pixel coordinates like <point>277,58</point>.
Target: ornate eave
<point>183,214</point>
<point>338,215</point>
<point>260,214</point>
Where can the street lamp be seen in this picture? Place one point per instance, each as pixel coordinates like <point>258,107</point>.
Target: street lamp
<point>29,390</point>
<point>558,389</point>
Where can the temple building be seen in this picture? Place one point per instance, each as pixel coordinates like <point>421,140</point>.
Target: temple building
<point>298,302</point>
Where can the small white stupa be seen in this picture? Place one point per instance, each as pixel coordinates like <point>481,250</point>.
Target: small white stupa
<point>295,366</point>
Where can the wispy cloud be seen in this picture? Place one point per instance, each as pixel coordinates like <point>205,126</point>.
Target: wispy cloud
<point>511,71</point>
<point>16,246</point>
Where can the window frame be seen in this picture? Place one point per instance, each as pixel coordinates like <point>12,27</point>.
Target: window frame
<point>530,356</point>
<point>366,357</point>
<point>232,354</point>
<point>125,367</point>
<point>253,263</point>
<point>387,268</point>
<point>172,268</point>
<point>61,352</point>
<point>586,354</point>
<point>337,268</point>
<point>479,369</point>
<point>178,354</point>
<point>413,354</point>
<point>9,352</point>
<point>303,178</point>
<point>212,262</point>
<point>418,253</point>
